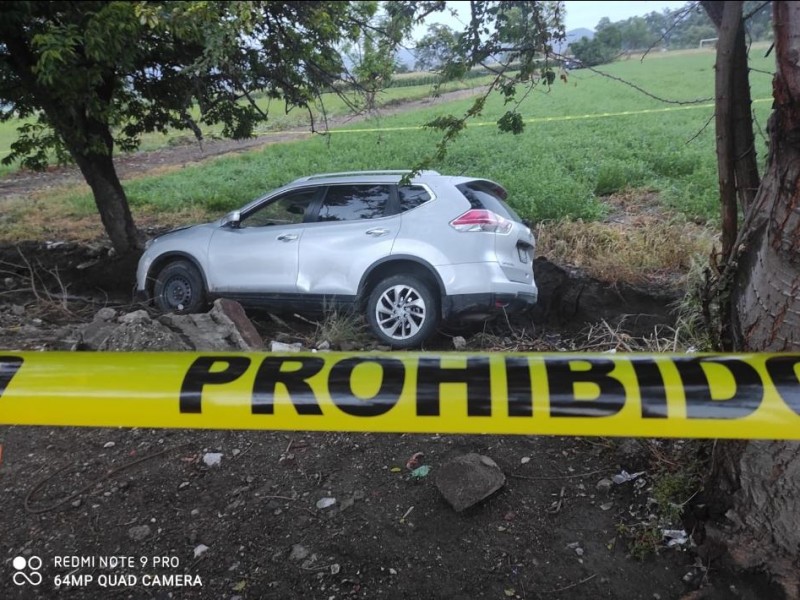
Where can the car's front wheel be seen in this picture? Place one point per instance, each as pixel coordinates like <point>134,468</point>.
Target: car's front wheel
<point>179,288</point>
<point>402,311</point>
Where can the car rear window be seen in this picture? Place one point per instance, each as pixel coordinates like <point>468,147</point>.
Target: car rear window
<point>488,196</point>
<point>412,196</point>
<point>354,202</point>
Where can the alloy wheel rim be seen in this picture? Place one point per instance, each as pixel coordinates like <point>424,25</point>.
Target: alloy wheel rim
<point>400,312</point>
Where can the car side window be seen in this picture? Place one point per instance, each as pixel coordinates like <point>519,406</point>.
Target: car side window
<point>412,196</point>
<point>287,209</point>
<point>354,202</point>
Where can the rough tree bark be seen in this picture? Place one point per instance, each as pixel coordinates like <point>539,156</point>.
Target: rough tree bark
<point>762,479</point>
<point>736,154</point>
<point>728,18</point>
<point>734,71</point>
<point>109,197</point>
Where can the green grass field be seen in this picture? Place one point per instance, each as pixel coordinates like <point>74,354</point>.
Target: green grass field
<point>280,119</point>
<point>576,147</point>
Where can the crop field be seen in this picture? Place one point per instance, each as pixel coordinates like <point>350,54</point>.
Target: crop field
<point>279,118</point>
<point>585,138</point>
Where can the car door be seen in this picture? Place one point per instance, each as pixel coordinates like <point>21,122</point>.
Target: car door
<point>353,228</point>
<point>260,256</point>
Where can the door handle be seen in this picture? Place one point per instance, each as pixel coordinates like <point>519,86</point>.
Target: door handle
<point>377,232</point>
<point>287,237</point>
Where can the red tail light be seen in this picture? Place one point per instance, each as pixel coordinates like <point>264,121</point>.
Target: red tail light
<point>481,220</point>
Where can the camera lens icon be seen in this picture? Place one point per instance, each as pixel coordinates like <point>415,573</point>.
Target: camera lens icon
<point>32,564</point>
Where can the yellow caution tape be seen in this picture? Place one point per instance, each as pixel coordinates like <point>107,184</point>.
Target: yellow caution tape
<point>552,119</point>
<point>749,396</point>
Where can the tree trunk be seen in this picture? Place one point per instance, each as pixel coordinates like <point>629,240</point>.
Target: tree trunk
<point>729,23</point>
<point>91,145</point>
<point>762,479</point>
<point>111,201</point>
<point>740,120</point>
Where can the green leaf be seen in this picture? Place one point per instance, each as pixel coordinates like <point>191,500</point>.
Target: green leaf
<point>511,122</point>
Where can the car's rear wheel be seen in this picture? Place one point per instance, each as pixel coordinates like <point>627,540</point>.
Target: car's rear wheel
<point>402,311</point>
<point>179,288</point>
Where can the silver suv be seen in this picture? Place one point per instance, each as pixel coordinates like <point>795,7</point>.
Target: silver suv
<point>409,254</point>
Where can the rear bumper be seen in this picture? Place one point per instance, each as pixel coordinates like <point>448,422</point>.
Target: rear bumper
<point>486,304</point>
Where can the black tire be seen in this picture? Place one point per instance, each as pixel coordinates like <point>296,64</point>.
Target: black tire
<point>179,289</point>
<point>402,311</point>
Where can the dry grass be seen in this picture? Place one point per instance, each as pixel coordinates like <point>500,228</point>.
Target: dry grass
<point>595,337</point>
<point>51,217</point>
<point>341,327</point>
<point>638,243</point>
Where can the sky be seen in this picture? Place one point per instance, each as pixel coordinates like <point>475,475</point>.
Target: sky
<point>587,14</point>
<point>579,13</point>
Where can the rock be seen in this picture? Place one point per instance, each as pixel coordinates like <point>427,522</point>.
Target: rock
<point>105,314</point>
<point>212,459</point>
<point>225,327</point>
<point>324,345</point>
<point>604,485</point>
<point>243,328</point>
<point>139,532</point>
<point>17,310</point>
<point>576,546</point>
<point>10,283</point>
<point>459,343</point>
<point>145,335</point>
<point>298,552</point>
<point>324,503</point>
<point>134,318</point>
<point>282,347</point>
<point>109,444</point>
<point>199,550</point>
<point>76,503</point>
<point>469,479</point>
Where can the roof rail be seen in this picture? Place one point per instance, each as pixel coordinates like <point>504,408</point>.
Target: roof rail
<point>351,173</point>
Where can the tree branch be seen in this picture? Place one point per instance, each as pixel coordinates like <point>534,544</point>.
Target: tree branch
<point>680,15</point>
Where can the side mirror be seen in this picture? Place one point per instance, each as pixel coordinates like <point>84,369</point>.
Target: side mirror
<point>234,219</point>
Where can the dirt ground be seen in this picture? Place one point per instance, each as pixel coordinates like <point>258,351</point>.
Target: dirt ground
<point>547,534</point>
<point>253,526</point>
